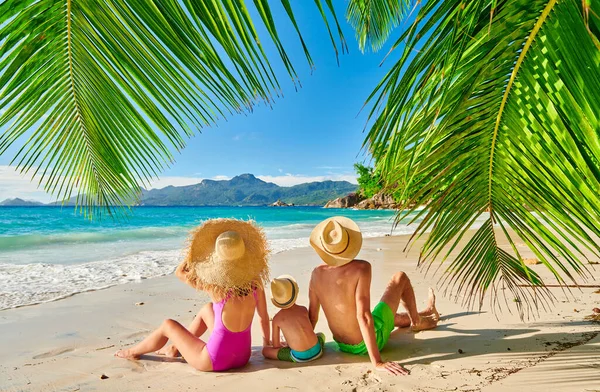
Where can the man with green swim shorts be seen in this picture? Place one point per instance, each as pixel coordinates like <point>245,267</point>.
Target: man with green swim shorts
<point>342,287</point>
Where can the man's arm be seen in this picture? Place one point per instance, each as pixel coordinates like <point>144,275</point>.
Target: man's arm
<point>314,306</point>
<point>367,327</point>
<point>263,315</point>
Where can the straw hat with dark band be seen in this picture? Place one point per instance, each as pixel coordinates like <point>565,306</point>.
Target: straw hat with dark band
<point>284,291</point>
<point>226,255</point>
<point>337,240</point>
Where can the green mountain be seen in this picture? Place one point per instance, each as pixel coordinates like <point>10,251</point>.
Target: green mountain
<point>20,203</point>
<point>245,190</point>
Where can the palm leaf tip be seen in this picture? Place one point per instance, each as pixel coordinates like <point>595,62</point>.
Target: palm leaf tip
<point>374,20</point>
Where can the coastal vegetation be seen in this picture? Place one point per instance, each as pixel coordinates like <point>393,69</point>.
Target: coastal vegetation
<point>490,110</point>
<point>369,181</point>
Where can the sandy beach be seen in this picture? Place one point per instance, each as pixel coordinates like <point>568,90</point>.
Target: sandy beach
<point>68,345</point>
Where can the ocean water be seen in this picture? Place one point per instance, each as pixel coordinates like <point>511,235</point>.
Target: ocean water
<point>50,253</point>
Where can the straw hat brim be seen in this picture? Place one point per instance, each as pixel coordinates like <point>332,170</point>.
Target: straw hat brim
<point>291,301</point>
<point>204,270</point>
<point>354,237</point>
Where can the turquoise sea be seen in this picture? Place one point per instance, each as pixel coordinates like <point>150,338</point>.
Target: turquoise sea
<point>48,253</point>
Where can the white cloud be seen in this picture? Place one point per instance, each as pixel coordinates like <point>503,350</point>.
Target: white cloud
<point>329,167</point>
<point>294,179</point>
<point>13,184</point>
<point>165,181</point>
<point>181,181</point>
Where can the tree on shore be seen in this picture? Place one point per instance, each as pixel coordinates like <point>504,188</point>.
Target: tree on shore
<point>492,110</point>
<point>369,182</point>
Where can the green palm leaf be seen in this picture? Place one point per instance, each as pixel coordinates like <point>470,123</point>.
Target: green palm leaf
<point>374,20</point>
<point>100,92</point>
<point>494,106</point>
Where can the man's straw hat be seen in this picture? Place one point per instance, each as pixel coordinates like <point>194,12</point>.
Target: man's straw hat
<point>284,291</point>
<point>226,255</point>
<point>337,240</point>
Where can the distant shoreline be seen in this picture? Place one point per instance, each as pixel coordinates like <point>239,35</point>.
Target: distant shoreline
<point>176,206</point>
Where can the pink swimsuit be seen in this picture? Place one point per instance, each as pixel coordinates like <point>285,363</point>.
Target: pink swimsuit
<point>228,350</point>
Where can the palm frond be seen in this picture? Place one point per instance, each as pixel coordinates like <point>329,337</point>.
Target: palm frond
<point>494,106</point>
<point>99,93</point>
<point>374,20</point>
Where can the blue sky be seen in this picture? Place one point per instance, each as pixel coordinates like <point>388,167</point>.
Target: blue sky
<point>311,134</point>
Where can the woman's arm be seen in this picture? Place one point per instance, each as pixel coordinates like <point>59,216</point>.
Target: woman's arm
<point>276,332</point>
<point>181,272</point>
<point>263,315</point>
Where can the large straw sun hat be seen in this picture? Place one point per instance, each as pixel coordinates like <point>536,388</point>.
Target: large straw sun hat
<point>337,240</point>
<point>225,256</point>
<point>284,291</point>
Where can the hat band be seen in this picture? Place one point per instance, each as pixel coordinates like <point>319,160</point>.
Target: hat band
<point>291,300</point>
<point>341,251</point>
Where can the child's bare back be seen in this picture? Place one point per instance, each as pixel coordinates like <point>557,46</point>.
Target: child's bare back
<point>292,320</point>
<point>296,327</point>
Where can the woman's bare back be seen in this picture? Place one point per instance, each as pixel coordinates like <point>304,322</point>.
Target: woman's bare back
<point>238,313</point>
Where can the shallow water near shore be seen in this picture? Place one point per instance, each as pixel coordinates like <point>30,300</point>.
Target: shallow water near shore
<point>48,253</point>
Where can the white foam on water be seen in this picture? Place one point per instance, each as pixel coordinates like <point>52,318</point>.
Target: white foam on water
<point>30,284</point>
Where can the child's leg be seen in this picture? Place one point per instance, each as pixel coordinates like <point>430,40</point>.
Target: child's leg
<point>189,345</point>
<point>271,352</point>
<point>205,319</point>
<point>321,339</point>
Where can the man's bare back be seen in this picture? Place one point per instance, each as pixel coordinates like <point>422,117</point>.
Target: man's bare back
<point>335,288</point>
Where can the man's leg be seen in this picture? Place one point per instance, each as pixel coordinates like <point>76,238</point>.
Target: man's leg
<point>205,319</point>
<point>400,290</point>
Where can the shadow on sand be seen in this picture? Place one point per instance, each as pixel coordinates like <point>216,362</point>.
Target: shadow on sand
<point>524,347</point>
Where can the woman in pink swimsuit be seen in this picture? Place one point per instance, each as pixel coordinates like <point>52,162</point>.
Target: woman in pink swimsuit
<point>227,258</point>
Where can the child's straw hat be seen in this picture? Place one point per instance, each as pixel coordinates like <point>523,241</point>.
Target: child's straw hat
<point>227,255</point>
<point>284,291</point>
<point>337,240</point>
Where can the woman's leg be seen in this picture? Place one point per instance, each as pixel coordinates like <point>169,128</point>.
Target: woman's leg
<point>189,345</point>
<point>205,319</point>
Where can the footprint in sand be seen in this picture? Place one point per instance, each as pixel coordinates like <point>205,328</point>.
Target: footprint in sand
<point>137,334</point>
<point>340,368</point>
<point>53,353</point>
<point>363,383</point>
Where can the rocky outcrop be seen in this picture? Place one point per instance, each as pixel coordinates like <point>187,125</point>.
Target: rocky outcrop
<point>280,203</point>
<point>379,201</point>
<point>345,202</point>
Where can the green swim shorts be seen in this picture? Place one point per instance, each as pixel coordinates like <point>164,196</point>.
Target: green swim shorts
<point>383,319</point>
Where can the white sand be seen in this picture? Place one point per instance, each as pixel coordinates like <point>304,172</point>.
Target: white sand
<point>67,345</point>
